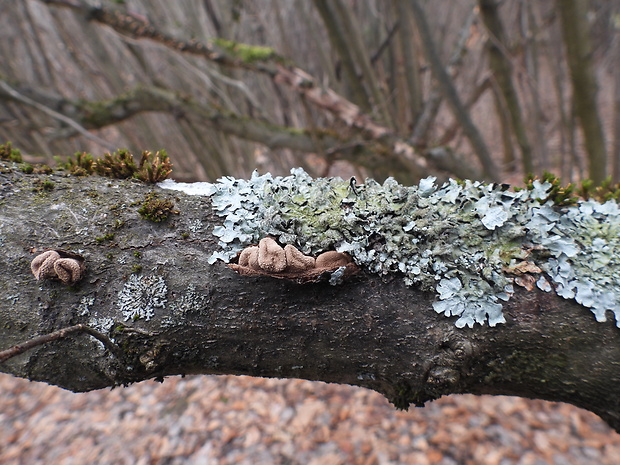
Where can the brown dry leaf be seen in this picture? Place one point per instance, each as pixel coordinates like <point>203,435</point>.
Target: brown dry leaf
<point>527,281</point>
<point>522,268</point>
<point>246,421</point>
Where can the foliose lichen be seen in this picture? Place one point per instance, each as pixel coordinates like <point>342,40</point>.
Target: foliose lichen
<point>141,295</point>
<point>456,239</point>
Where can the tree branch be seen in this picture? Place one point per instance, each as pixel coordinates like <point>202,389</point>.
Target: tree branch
<point>15,95</point>
<point>451,95</point>
<point>387,156</point>
<point>56,335</point>
<point>230,54</point>
<point>376,146</point>
<point>152,290</point>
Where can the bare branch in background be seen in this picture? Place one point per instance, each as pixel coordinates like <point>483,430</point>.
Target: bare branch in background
<point>501,68</point>
<point>573,14</point>
<point>15,95</point>
<point>236,62</point>
<point>460,113</point>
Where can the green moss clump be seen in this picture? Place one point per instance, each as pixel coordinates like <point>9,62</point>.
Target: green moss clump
<point>152,168</point>
<point>118,165</point>
<point>48,185</point>
<point>606,191</point>
<point>43,169</point>
<point>560,195</point>
<point>156,209</point>
<point>83,165</point>
<point>27,168</point>
<point>43,186</point>
<point>244,52</point>
<point>7,152</point>
<point>569,194</point>
<point>105,237</point>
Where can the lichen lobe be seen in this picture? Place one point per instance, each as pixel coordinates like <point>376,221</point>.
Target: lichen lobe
<point>141,295</point>
<point>471,243</point>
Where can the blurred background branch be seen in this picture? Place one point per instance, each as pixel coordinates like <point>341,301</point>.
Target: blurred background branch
<point>478,89</point>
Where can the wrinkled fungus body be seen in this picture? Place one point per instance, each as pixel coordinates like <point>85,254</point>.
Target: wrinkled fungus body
<point>469,242</point>
<point>58,264</point>
<point>268,258</point>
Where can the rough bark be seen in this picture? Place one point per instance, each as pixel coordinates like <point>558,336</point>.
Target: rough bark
<point>370,331</point>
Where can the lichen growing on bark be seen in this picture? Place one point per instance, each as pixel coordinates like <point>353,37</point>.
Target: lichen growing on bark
<point>459,240</point>
<point>141,295</point>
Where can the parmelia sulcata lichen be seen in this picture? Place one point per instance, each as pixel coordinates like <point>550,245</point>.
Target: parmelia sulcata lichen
<point>141,295</point>
<point>463,240</point>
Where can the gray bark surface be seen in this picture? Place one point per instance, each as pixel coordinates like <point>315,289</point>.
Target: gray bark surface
<point>370,331</point>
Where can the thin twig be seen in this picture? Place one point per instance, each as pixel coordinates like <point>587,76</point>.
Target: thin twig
<point>61,333</point>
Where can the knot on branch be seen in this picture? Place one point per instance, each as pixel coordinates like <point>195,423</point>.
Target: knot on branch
<point>268,258</point>
<point>67,267</point>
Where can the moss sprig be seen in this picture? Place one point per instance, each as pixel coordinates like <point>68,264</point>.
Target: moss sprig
<point>41,186</point>
<point>155,209</point>
<point>559,194</point>
<point>245,52</point>
<point>606,191</point>
<point>7,152</point>
<point>27,168</point>
<point>152,168</point>
<point>83,165</point>
<point>117,165</point>
<point>569,194</point>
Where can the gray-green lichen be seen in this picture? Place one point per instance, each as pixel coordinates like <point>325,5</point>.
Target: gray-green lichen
<point>457,240</point>
<point>103,325</point>
<point>141,295</point>
<point>191,300</point>
<point>85,305</point>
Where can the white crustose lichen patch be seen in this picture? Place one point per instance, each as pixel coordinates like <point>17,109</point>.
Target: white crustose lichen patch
<point>85,304</point>
<point>457,239</point>
<point>103,325</point>
<point>141,295</point>
<point>190,300</point>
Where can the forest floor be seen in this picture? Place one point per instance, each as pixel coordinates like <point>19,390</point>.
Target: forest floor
<point>241,420</point>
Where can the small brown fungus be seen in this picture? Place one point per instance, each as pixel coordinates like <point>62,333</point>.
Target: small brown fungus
<point>271,256</point>
<point>42,266</point>
<point>249,257</point>
<point>58,264</point>
<point>69,270</point>
<point>297,261</point>
<point>270,259</point>
<point>332,259</point>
